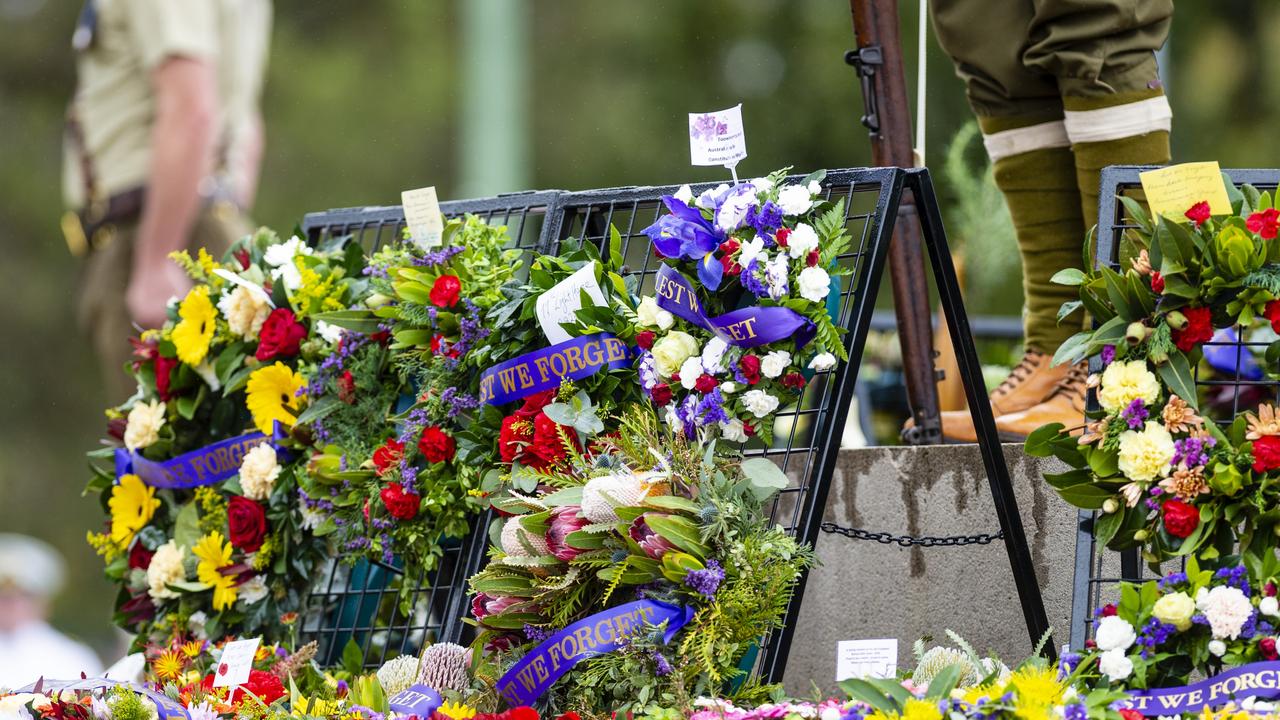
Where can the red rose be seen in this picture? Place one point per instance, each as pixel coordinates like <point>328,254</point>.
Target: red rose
<point>1199,213</point>
<point>515,436</point>
<point>524,712</point>
<point>1267,646</point>
<point>548,444</point>
<point>347,387</point>
<point>660,394</point>
<point>164,369</point>
<point>139,556</point>
<point>1180,519</point>
<point>389,454</point>
<point>1199,328</point>
<point>750,367</point>
<point>748,429</point>
<point>246,523</point>
<point>445,291</point>
<point>705,383</point>
<point>1157,282</point>
<point>644,339</point>
<point>280,336</point>
<point>1272,313</point>
<point>400,504</point>
<point>812,258</point>
<point>781,236</point>
<point>1131,714</point>
<point>1108,610</point>
<point>534,403</point>
<point>730,266</point>
<point>1266,453</point>
<point>1266,223</point>
<point>436,445</point>
<point>793,380</point>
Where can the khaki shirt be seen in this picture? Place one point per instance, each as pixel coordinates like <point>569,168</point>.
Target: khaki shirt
<point>115,103</point>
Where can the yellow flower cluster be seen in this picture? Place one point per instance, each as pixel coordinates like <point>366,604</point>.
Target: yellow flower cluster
<point>316,294</point>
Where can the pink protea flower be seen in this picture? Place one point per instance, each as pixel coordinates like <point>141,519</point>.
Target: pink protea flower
<point>483,605</point>
<point>564,520</point>
<point>653,544</point>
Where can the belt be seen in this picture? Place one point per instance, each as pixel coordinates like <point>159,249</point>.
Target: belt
<point>82,228</point>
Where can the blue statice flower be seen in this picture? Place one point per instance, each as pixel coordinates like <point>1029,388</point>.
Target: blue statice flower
<point>1172,579</point>
<point>535,633</point>
<point>751,282</point>
<point>1237,577</point>
<point>707,581</point>
<point>1075,711</point>
<point>661,667</point>
<point>1068,663</point>
<point>1108,354</point>
<point>765,219</point>
<point>1193,451</point>
<point>438,257</point>
<point>711,408</point>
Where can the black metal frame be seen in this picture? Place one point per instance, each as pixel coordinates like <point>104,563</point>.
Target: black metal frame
<point>820,415</point>
<point>1095,567</point>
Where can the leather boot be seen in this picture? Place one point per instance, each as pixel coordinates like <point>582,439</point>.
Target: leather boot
<point>1065,405</point>
<point>1030,382</point>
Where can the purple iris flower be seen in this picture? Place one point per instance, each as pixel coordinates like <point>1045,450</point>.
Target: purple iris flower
<point>685,234</point>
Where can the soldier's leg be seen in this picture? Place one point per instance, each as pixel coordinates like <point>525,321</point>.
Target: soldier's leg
<point>101,311</point>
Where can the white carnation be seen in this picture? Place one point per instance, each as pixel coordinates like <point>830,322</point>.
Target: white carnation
<point>728,387</point>
<point>1217,648</point>
<point>166,567</point>
<point>775,363</point>
<point>281,257</point>
<point>143,428</point>
<point>258,472</point>
<point>648,314</point>
<point>1226,609</point>
<point>690,371</point>
<point>815,188</point>
<point>815,284</point>
<point>794,199</point>
<point>329,333</point>
<point>673,419</point>
<point>822,362</point>
<point>801,241</point>
<point>733,431</point>
<point>684,195</point>
<point>776,274</point>
<point>759,402</point>
<point>1269,606</point>
<point>398,674</point>
<point>253,590</point>
<point>1114,633</point>
<point>1115,665</point>
<point>245,311</point>
<point>762,184</point>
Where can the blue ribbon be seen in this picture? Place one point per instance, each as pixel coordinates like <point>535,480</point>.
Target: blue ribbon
<point>167,708</point>
<point>418,700</point>
<point>747,327</point>
<point>1260,680</point>
<point>598,634</point>
<point>544,369</point>
<point>206,466</point>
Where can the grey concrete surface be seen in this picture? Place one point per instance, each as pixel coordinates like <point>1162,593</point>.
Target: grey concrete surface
<point>864,590</point>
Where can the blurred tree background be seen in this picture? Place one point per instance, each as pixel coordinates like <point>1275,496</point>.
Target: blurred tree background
<point>366,99</point>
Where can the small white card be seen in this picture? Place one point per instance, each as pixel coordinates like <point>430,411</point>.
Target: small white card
<point>866,658</point>
<point>559,304</point>
<point>717,138</point>
<point>422,215</point>
<point>236,662</point>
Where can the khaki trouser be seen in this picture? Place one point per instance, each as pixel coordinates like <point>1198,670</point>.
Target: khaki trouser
<point>101,311</point>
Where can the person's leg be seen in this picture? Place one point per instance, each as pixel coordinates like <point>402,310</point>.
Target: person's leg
<point>101,312</point>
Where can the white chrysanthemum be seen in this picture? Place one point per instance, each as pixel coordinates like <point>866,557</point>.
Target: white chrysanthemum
<point>253,590</point>
<point>801,240</point>
<point>258,472</point>
<point>1144,455</point>
<point>1115,665</point>
<point>281,257</point>
<point>145,421</point>
<point>245,311</point>
<point>822,362</point>
<point>815,284</point>
<point>648,314</point>
<point>685,195</point>
<point>166,567</point>
<point>713,356</point>
<point>759,402</point>
<point>1114,633</point>
<point>775,363</point>
<point>444,667</point>
<point>1226,609</point>
<point>690,371</point>
<point>329,333</point>
<point>794,199</point>
<point>1124,382</point>
<point>602,494</point>
<point>733,431</point>
<point>398,674</point>
<point>512,534</point>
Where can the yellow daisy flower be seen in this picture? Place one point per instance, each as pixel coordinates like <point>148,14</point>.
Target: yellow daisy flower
<point>271,393</point>
<point>168,666</point>
<point>132,505</point>
<point>457,711</point>
<point>193,333</point>
<point>192,648</point>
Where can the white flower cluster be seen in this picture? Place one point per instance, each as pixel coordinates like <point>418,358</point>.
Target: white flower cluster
<point>283,258</point>
<point>1114,637</point>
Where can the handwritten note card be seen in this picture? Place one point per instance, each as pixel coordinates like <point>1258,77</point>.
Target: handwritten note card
<point>1173,190</point>
<point>422,214</point>
<point>717,138</point>
<point>866,658</point>
<point>559,304</point>
<point>235,663</point>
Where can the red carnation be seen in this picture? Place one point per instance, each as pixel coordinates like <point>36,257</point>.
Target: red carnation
<point>1157,282</point>
<point>644,339</point>
<point>400,504</point>
<point>1272,313</point>
<point>347,387</point>
<point>748,429</point>
<point>1199,213</point>
<point>387,455</point>
<point>1266,453</point>
<point>1108,610</point>
<point>139,556</point>
<point>727,249</point>
<point>548,444</point>
<point>246,523</point>
<point>1131,714</point>
<point>1180,519</point>
<point>705,383</point>
<point>781,236</point>
<point>750,367</point>
<point>436,445</point>
<point>661,394</point>
<point>794,381</point>
<point>1267,647</point>
<point>1266,223</point>
<point>515,436</point>
<point>1199,328</point>
<point>281,335</point>
<point>164,369</point>
<point>445,291</point>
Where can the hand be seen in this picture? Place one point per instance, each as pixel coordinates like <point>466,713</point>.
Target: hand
<point>149,292</point>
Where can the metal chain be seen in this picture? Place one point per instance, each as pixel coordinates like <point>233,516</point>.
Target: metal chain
<point>885,538</point>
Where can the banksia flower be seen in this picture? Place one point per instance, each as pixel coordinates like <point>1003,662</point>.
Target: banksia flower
<point>444,667</point>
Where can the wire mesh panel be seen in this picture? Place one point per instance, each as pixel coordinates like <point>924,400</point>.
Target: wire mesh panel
<point>360,602</point>
<point>1229,382</point>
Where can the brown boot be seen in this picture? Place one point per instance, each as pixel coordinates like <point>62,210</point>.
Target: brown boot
<point>1065,405</point>
<point>1032,380</point>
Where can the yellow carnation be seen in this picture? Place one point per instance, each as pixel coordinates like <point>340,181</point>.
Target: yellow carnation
<point>1145,454</point>
<point>166,567</point>
<point>143,427</point>
<point>1123,382</point>
<point>193,333</point>
<point>132,505</point>
<point>272,394</point>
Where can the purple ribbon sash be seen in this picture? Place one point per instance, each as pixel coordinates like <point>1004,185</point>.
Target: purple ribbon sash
<point>544,369</point>
<point>601,633</point>
<point>418,700</point>
<point>747,327</point>
<point>1260,680</point>
<point>167,707</point>
<point>206,466</point>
